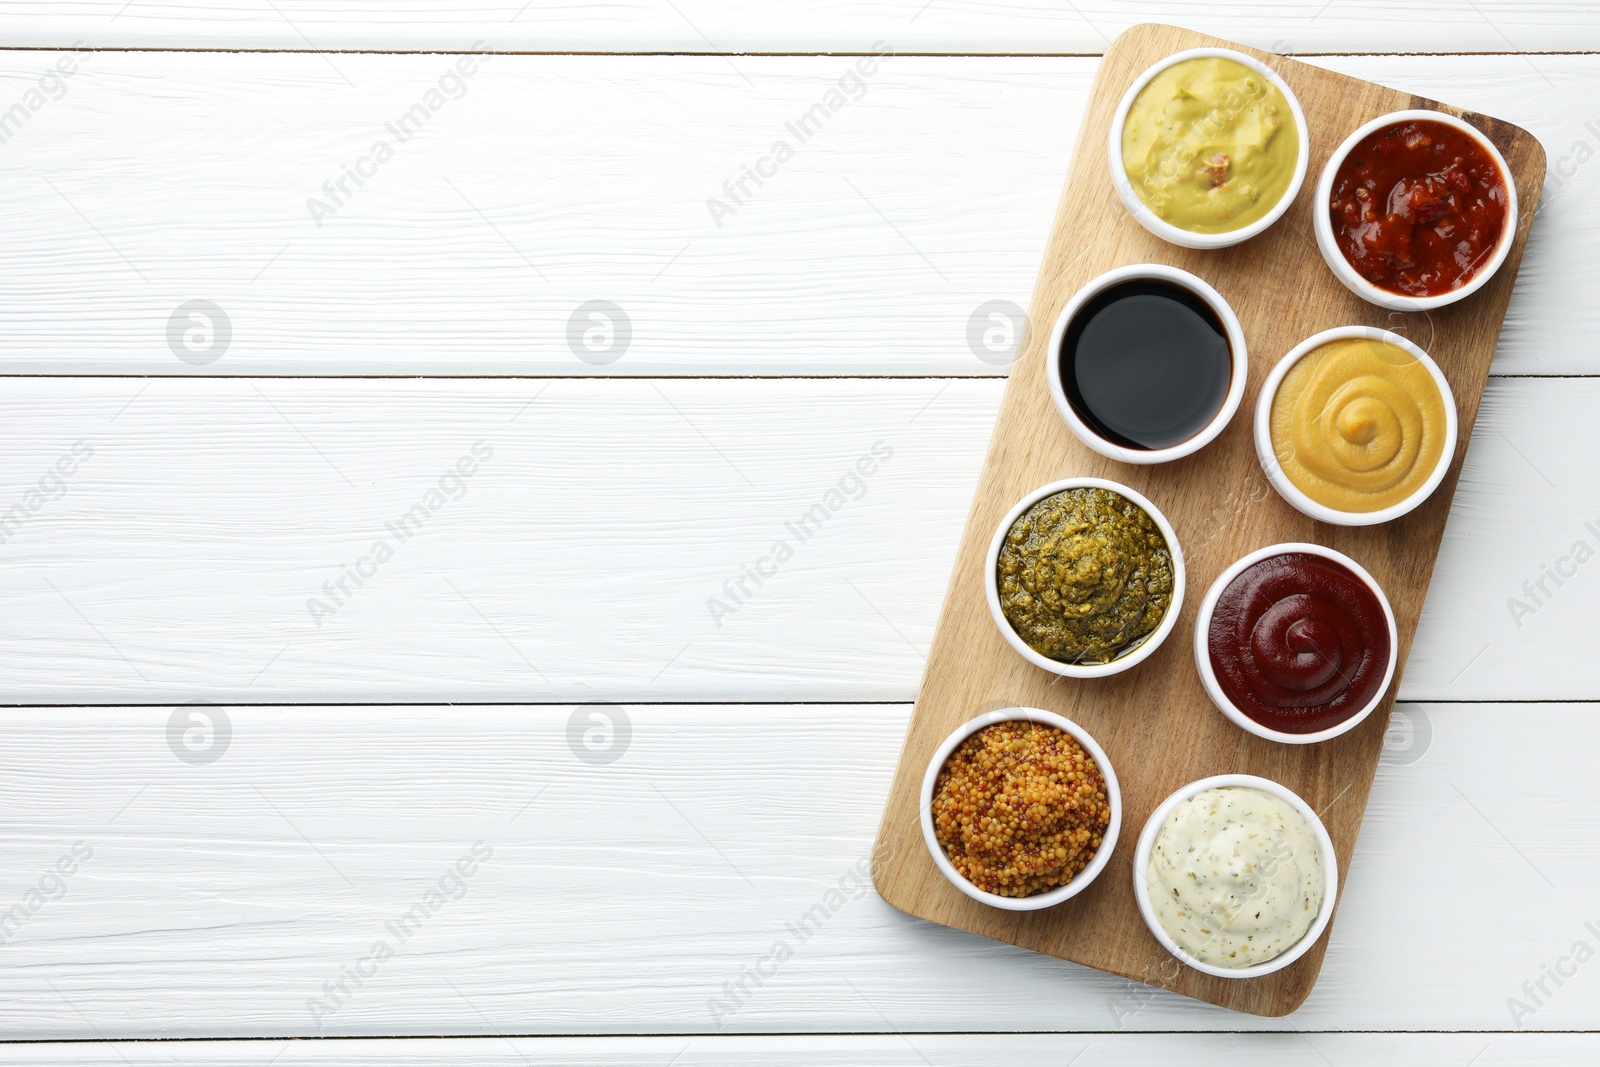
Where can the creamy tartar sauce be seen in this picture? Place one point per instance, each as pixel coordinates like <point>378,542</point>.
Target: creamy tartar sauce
<point>1235,876</point>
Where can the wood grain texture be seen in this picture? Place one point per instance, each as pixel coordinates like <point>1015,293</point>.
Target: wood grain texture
<point>849,1050</point>
<point>161,178</point>
<point>957,26</point>
<point>1154,720</point>
<point>623,897</point>
<point>200,574</point>
<point>600,552</point>
<point>216,916</point>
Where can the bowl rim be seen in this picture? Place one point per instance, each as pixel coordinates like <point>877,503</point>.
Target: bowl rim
<point>1267,455</point>
<point>1322,222</point>
<point>1238,353</point>
<point>1049,897</point>
<point>1176,234</point>
<point>1330,873</point>
<point>1080,670</point>
<point>1202,643</point>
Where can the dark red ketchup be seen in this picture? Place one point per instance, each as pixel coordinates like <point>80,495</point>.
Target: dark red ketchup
<point>1418,208</point>
<point>1299,643</point>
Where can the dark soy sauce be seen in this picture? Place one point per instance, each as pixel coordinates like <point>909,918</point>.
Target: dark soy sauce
<point>1146,364</point>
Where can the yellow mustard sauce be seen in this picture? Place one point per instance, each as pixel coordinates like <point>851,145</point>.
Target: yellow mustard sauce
<point>1358,425</point>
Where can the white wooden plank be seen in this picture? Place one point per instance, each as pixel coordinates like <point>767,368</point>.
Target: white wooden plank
<point>550,183</point>
<point>580,560</point>
<point>598,553</point>
<point>1494,624</point>
<point>219,897</point>
<point>749,25</point>
<point>163,178</point>
<point>851,1050</point>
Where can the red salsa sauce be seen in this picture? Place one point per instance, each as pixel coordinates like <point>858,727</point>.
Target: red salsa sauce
<point>1299,643</point>
<point>1418,208</point>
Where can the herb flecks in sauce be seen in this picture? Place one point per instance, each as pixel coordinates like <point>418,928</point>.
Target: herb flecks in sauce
<point>1085,576</point>
<point>1235,876</point>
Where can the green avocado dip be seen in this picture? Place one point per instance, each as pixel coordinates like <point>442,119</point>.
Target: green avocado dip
<point>1084,576</point>
<point>1210,145</point>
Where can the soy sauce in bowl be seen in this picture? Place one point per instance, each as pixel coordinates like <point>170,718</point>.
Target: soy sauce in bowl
<point>1146,364</point>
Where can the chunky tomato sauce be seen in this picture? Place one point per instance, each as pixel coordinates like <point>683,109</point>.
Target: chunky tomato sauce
<point>1418,208</point>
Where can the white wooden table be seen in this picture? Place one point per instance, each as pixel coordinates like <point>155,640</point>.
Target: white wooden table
<point>361,671</point>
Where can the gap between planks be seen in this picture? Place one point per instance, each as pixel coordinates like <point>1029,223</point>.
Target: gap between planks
<point>751,55</point>
<point>648,704</point>
<point>348,1039</point>
<point>596,377</point>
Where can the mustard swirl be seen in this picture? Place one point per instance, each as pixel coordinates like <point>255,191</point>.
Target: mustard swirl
<point>1358,425</point>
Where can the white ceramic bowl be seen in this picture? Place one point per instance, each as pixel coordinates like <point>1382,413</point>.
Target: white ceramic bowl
<point>1059,893</point>
<point>991,584</point>
<point>1268,455</point>
<point>1173,276</point>
<point>1322,217</point>
<point>1159,226</point>
<point>1330,874</point>
<point>1202,643</point>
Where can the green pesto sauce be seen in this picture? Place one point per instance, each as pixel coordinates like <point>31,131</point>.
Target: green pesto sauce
<point>1084,576</point>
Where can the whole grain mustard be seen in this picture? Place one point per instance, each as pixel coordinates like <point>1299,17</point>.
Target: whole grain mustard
<point>1020,808</point>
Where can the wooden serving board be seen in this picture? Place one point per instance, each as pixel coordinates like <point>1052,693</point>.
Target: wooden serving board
<point>1155,721</point>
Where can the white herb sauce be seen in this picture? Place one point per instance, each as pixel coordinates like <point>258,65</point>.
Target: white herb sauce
<point>1235,876</point>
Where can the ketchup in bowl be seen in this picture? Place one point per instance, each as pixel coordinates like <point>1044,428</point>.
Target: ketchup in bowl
<point>1299,643</point>
<point>1418,208</point>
